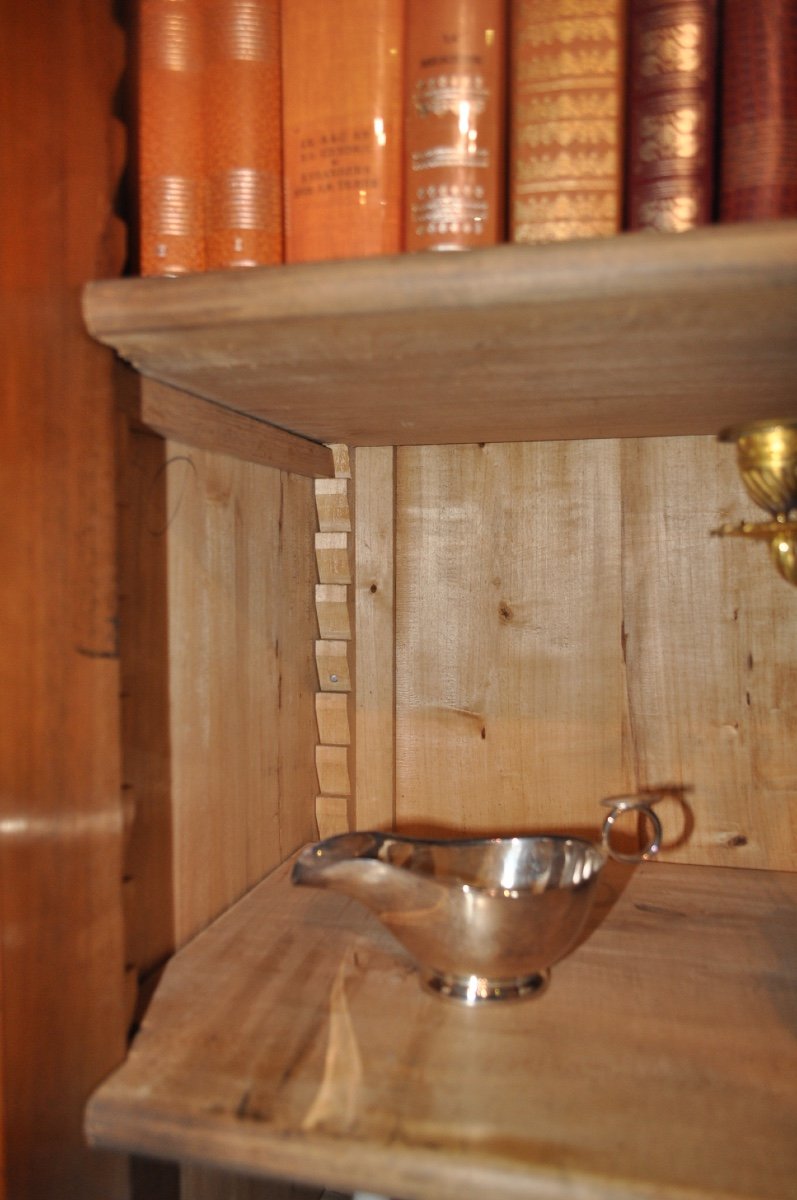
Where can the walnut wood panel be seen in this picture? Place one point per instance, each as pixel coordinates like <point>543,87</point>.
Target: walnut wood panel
<point>568,629</point>
<point>62,1017</point>
<point>242,676</point>
<point>294,1038</point>
<point>637,335</point>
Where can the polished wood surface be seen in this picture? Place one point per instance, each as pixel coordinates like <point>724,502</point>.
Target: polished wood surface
<point>641,334</point>
<point>568,629</point>
<point>293,1037</point>
<point>63,1016</point>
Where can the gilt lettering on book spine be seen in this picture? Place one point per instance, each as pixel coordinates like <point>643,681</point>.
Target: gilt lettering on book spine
<point>454,122</point>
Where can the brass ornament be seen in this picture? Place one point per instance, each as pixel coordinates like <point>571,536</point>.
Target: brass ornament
<point>766,455</point>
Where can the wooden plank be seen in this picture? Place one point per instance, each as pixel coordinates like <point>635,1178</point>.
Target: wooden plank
<point>375,652</point>
<point>332,558</point>
<point>332,815</point>
<point>332,505</point>
<point>710,647</point>
<point>332,715</point>
<point>210,426</point>
<point>341,1069</point>
<point>241,627</point>
<point>145,724</point>
<point>511,702</point>
<point>332,610</point>
<point>62,1010</point>
<point>633,336</point>
<point>568,629</point>
<point>332,663</point>
<point>332,768</point>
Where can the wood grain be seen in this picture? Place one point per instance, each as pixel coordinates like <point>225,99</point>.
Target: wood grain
<point>207,426</point>
<point>145,725</point>
<point>710,646</point>
<point>568,629</point>
<point>630,336</point>
<point>375,623</point>
<point>62,1010</point>
<point>242,680</point>
<point>359,1079</point>
<point>510,691</point>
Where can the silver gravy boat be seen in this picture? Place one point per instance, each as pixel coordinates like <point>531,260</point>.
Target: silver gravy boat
<point>484,918</point>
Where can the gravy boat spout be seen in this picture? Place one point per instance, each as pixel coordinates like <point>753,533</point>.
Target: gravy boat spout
<point>484,918</point>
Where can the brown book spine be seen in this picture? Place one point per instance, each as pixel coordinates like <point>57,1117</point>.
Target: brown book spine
<point>566,119</point>
<point>342,73</point>
<point>243,138</point>
<point>758,133</point>
<point>672,82</point>
<point>169,50</point>
<point>454,110</point>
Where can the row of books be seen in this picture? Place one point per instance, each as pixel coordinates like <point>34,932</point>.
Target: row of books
<point>297,130</point>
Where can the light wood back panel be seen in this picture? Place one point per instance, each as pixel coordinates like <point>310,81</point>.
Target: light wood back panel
<point>241,577</point>
<point>567,629</point>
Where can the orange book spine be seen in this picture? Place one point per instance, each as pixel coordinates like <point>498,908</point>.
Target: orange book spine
<point>342,73</point>
<point>454,123</point>
<point>243,138</point>
<point>169,49</point>
<point>566,119</point>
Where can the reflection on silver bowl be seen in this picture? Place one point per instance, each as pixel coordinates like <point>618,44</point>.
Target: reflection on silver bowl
<point>484,918</point>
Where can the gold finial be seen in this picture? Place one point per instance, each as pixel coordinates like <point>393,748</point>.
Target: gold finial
<point>766,455</point>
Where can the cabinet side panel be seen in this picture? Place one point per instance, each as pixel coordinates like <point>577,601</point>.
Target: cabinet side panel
<point>568,629</point>
<point>62,999</point>
<point>242,681</point>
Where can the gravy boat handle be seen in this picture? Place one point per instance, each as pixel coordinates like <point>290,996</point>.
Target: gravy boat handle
<point>624,804</point>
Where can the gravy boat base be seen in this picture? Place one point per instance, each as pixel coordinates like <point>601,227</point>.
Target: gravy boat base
<point>480,989</point>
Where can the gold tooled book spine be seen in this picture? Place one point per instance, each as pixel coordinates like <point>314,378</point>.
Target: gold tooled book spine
<point>566,119</point>
<point>454,124</point>
<point>671,114</point>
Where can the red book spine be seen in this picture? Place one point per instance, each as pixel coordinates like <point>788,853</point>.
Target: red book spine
<point>342,72</point>
<point>567,80</point>
<point>243,141</point>
<point>671,113</point>
<point>169,48</point>
<point>454,121</point>
<point>758,136</point>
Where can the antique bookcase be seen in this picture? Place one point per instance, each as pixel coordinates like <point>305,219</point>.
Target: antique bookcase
<point>493,601</point>
<point>436,555</point>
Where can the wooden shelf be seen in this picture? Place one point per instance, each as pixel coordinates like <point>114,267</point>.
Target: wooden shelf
<point>639,335</point>
<point>292,1038</point>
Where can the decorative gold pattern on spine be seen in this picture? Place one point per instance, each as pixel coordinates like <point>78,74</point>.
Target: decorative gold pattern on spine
<point>671,113</point>
<point>566,119</point>
<point>333,649</point>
